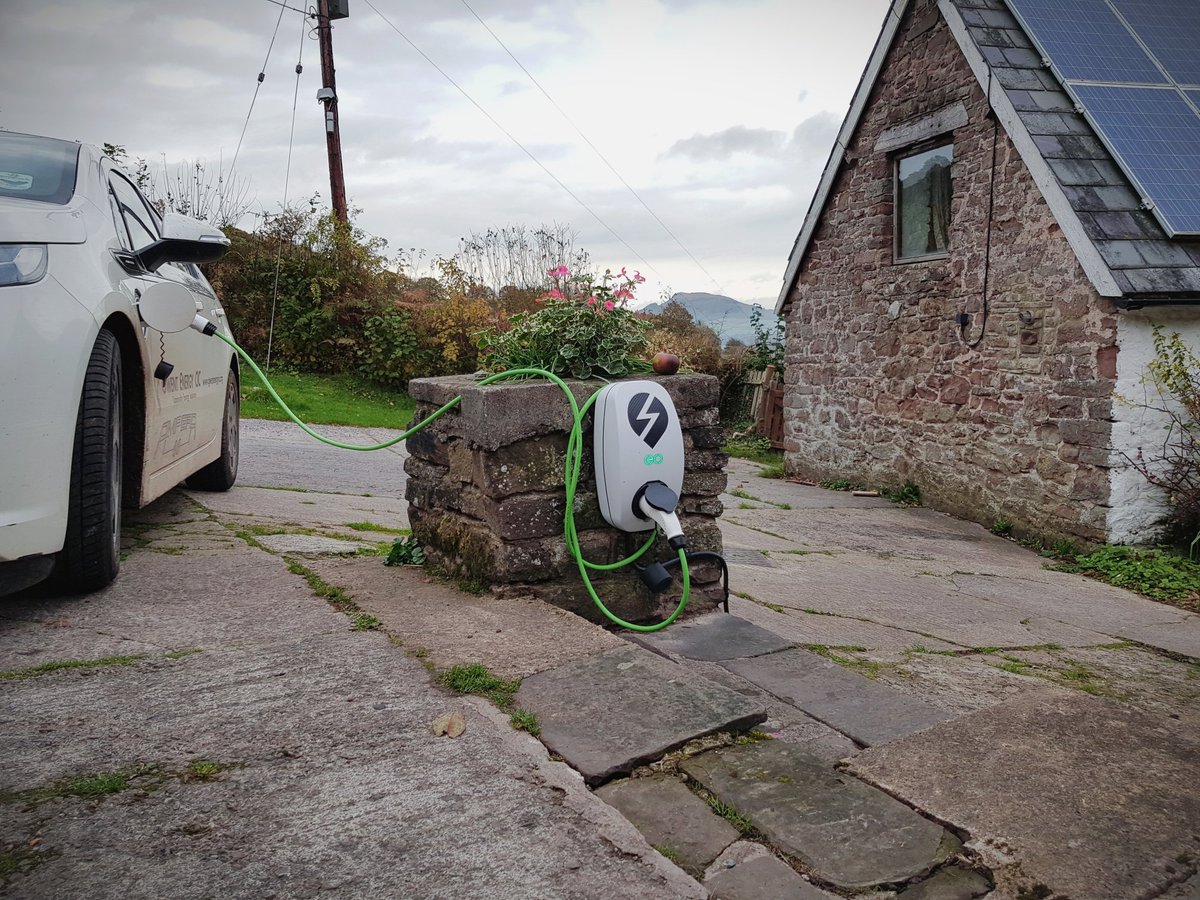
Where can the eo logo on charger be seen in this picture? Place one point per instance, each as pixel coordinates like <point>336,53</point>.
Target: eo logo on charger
<point>648,419</point>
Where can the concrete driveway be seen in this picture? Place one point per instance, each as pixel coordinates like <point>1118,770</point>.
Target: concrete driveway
<point>248,710</point>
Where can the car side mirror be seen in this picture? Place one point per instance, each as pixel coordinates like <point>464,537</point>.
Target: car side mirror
<point>167,306</point>
<point>184,240</point>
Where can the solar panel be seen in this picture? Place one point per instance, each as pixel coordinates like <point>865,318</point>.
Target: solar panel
<point>1108,53</point>
<point>1155,135</point>
<point>1170,29</point>
<point>1086,41</point>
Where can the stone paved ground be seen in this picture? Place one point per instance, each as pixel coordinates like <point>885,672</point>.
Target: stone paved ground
<point>944,718</point>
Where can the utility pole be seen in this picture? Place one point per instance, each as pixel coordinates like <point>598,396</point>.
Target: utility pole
<point>327,10</point>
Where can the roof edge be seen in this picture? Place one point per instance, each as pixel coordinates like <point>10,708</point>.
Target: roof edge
<point>1086,254</point>
<point>887,34</point>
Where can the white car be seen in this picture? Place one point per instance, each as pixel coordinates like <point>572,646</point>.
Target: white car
<point>97,409</point>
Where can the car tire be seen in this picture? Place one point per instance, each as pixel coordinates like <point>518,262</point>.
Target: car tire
<point>221,473</point>
<point>91,552</point>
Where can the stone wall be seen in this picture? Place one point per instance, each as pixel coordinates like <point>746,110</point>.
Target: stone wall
<point>881,387</point>
<point>486,494</point>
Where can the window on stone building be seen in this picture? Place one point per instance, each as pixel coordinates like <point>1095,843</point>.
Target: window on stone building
<point>923,192</point>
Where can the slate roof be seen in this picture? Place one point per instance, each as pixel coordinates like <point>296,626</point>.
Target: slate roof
<point>1120,245</point>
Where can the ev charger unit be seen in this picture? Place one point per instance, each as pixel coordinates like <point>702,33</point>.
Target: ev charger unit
<point>638,447</point>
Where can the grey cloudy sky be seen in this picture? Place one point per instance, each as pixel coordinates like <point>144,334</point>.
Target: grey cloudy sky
<point>720,113</point>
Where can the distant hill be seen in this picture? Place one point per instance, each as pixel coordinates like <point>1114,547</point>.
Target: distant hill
<point>729,318</point>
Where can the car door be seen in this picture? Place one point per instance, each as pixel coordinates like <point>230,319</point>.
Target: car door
<point>183,408</point>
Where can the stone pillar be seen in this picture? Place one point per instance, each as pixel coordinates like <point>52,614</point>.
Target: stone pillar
<point>486,494</point>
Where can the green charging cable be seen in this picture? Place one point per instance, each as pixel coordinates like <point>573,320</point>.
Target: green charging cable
<point>571,477</point>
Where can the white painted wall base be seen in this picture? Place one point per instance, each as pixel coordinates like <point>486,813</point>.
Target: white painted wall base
<point>1138,509</point>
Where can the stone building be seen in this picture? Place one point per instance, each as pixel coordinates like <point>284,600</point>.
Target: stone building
<point>971,300</point>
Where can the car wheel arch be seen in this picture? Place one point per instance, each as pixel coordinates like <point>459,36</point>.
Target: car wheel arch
<point>134,398</point>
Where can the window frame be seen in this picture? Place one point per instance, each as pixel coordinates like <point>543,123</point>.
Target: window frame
<point>936,143</point>
<point>152,227</point>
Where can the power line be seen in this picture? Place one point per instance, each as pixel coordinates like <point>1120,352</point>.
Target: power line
<point>595,150</point>
<point>287,174</point>
<point>262,75</point>
<point>510,136</point>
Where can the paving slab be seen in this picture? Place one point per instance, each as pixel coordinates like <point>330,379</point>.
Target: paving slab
<point>674,820</point>
<point>513,637</point>
<point>611,712</point>
<point>846,832</point>
<point>920,534</point>
<point>802,627</point>
<point>1090,604</point>
<point>1089,797</point>
<point>925,604</point>
<point>711,637</point>
<point>334,783</point>
<point>747,476</point>
<point>868,712</point>
<point>304,508</point>
<point>950,883</point>
<point>310,543</point>
<point>750,872</point>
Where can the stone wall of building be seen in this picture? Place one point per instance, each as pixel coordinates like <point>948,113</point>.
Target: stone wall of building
<point>883,389</point>
<point>486,493</point>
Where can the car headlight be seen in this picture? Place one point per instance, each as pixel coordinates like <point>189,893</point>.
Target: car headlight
<point>22,263</point>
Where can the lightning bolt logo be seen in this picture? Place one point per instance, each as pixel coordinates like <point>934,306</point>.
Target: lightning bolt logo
<point>647,418</point>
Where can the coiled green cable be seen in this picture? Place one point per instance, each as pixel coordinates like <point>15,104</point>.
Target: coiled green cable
<point>571,477</point>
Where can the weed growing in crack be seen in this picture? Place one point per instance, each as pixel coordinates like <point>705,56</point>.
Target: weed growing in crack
<point>524,720</point>
<point>476,679</point>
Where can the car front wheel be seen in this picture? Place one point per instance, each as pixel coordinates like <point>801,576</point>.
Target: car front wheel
<point>92,550</point>
<point>221,473</point>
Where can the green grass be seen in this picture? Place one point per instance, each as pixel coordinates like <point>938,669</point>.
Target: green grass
<point>835,484</point>
<point>476,679</point>
<point>88,787</point>
<point>729,814</point>
<point>47,668</point>
<point>327,400</point>
<point>754,448</point>
<point>204,770</point>
<point>524,720</point>
<point>668,852</point>
<point>382,529</point>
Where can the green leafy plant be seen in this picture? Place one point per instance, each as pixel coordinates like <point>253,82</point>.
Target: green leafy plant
<point>1002,527</point>
<point>581,330</point>
<point>835,484</point>
<point>907,495</point>
<point>1155,573</point>
<point>769,345</point>
<point>406,551</point>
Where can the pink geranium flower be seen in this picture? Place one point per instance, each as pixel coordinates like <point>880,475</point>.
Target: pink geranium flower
<point>608,304</point>
<point>639,277</point>
<point>623,294</point>
<point>555,294</point>
<point>592,301</point>
<point>558,272</point>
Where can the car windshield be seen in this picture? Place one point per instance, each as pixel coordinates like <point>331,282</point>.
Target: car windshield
<point>37,168</point>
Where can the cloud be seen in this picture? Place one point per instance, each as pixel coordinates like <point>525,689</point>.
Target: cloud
<point>724,144</point>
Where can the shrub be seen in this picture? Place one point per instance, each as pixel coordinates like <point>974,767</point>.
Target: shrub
<point>582,330</point>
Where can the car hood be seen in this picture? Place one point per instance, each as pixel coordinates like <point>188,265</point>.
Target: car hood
<point>27,222</point>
